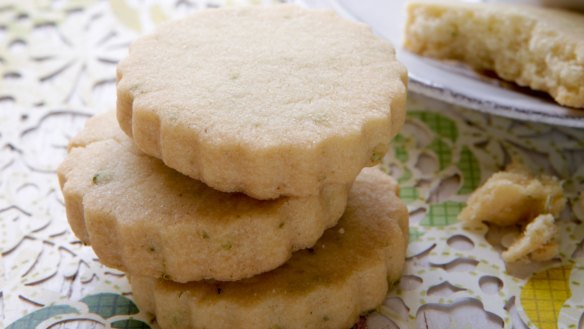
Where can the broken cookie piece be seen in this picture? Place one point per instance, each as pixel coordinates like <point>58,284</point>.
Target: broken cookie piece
<point>516,196</point>
<point>538,242</point>
<point>540,48</point>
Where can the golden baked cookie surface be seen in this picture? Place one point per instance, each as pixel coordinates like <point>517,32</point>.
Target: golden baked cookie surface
<point>267,101</point>
<point>345,274</point>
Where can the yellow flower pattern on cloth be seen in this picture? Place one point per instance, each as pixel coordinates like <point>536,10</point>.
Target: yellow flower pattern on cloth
<point>544,294</point>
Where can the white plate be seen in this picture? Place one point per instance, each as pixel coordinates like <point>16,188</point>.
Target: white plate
<point>451,82</point>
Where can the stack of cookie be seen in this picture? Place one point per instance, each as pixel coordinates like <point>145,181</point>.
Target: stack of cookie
<point>233,195</point>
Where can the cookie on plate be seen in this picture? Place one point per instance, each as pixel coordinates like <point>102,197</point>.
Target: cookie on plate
<point>267,101</point>
<point>540,48</point>
<point>145,218</point>
<point>346,273</point>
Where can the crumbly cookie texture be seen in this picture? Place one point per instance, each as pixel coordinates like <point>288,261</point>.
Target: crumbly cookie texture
<point>537,47</point>
<point>145,218</point>
<point>346,273</point>
<point>538,242</point>
<point>514,196</point>
<point>267,101</point>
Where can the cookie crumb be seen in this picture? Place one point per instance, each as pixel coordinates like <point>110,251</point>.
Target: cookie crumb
<point>517,196</point>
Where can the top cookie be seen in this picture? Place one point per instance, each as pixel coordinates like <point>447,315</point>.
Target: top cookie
<point>268,101</point>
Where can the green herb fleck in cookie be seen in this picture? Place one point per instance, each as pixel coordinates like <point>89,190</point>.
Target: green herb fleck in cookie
<point>152,248</point>
<point>101,178</point>
<point>376,156</point>
<point>176,320</point>
<point>205,235</point>
<point>320,119</point>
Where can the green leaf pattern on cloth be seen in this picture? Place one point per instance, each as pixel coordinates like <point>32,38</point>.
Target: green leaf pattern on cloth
<point>108,305</point>
<point>33,319</point>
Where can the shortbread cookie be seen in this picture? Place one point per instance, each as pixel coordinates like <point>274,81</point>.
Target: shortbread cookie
<point>267,101</point>
<point>537,47</point>
<point>145,218</point>
<point>514,196</point>
<point>346,273</point>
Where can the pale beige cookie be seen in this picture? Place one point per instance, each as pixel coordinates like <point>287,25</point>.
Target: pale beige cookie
<point>514,196</point>
<point>348,272</point>
<point>145,218</point>
<point>537,47</point>
<point>268,101</point>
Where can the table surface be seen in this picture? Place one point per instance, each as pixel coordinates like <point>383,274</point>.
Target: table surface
<point>57,68</point>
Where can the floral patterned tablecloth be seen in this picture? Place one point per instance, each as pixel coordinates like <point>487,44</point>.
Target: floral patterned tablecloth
<point>57,68</point>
